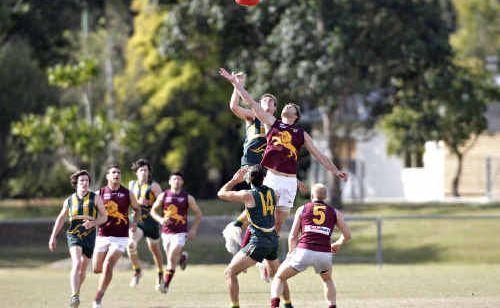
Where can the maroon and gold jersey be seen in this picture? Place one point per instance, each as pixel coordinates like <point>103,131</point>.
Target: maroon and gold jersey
<point>317,221</point>
<point>175,209</point>
<point>117,203</point>
<point>283,146</point>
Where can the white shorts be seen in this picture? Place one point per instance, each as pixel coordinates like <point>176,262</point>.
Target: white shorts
<point>303,258</point>
<point>105,243</point>
<point>173,239</point>
<point>284,186</point>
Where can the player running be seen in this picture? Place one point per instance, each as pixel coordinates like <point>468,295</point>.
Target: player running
<point>260,203</point>
<point>284,141</point>
<point>112,238</point>
<point>85,212</point>
<point>174,204</point>
<point>145,190</point>
<point>314,223</point>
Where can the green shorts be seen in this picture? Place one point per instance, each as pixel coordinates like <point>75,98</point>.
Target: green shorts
<point>150,227</point>
<point>86,242</point>
<point>259,252</point>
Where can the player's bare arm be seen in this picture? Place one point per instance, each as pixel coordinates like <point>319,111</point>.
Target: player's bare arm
<point>59,223</point>
<point>263,116</point>
<point>197,217</point>
<point>345,235</point>
<point>102,215</point>
<point>227,194</point>
<point>323,159</point>
<point>156,188</point>
<point>241,112</point>
<point>293,237</point>
<point>156,207</point>
<point>137,211</point>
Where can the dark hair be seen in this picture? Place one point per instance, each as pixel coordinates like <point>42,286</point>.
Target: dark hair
<point>178,173</point>
<point>256,175</point>
<point>74,177</point>
<point>114,165</point>
<point>140,163</point>
<point>297,110</point>
<point>275,100</point>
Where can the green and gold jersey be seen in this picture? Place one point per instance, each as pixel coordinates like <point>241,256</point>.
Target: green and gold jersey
<point>144,191</point>
<point>255,144</point>
<point>80,210</point>
<point>261,216</point>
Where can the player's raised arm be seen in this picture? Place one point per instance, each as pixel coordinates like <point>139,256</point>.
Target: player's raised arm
<point>344,229</point>
<point>242,113</point>
<point>323,159</point>
<point>59,223</point>
<point>197,217</point>
<point>227,194</point>
<point>157,206</point>
<point>263,116</point>
<point>293,237</point>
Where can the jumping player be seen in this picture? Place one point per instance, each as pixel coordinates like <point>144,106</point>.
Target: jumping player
<point>314,223</point>
<point>260,203</point>
<point>174,204</point>
<point>284,141</point>
<point>253,149</point>
<point>145,190</point>
<point>85,212</point>
<point>112,238</point>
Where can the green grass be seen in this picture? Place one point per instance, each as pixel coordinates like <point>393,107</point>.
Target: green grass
<point>203,286</point>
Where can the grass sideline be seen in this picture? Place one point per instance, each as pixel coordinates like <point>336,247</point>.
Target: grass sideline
<point>203,286</point>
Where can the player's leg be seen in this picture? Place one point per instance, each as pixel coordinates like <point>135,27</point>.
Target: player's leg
<point>107,274</point>
<point>83,269</point>
<point>177,242</point>
<point>75,279</point>
<point>100,252</point>
<point>240,262</point>
<point>155,248</point>
<point>329,288</point>
<point>133,241</point>
<point>279,285</point>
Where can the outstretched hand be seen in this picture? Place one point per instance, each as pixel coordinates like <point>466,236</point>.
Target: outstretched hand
<point>230,77</point>
<point>239,176</point>
<point>342,175</point>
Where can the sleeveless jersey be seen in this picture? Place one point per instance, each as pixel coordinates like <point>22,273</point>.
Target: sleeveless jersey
<point>78,211</point>
<point>261,216</point>
<point>283,146</point>
<point>117,203</point>
<point>255,143</point>
<point>317,221</point>
<point>175,208</point>
<point>145,191</point>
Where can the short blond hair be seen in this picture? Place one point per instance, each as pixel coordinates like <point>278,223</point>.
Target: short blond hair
<point>319,191</point>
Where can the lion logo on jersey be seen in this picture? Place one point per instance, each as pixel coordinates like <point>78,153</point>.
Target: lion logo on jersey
<point>112,209</point>
<point>285,139</point>
<point>171,212</point>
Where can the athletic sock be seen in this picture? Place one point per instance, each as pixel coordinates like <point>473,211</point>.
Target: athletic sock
<point>98,296</point>
<point>160,275</point>
<point>288,304</point>
<point>238,223</point>
<point>137,270</point>
<point>235,305</point>
<point>275,302</point>
<point>168,277</point>
<point>332,306</point>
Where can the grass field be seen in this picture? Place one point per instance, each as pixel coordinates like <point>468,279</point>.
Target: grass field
<point>203,286</point>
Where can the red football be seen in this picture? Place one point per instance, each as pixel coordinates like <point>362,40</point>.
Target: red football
<point>247,2</point>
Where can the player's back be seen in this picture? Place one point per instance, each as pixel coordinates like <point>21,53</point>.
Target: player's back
<point>317,222</point>
<point>261,216</point>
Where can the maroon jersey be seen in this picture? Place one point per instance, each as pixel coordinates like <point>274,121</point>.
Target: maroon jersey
<point>317,221</point>
<point>283,146</point>
<point>175,208</point>
<point>117,203</point>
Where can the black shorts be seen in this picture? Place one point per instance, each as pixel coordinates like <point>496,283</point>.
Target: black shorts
<point>86,242</point>
<point>150,227</point>
<point>259,252</point>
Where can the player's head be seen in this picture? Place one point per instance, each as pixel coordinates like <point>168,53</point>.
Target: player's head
<point>268,103</point>
<point>142,169</point>
<point>256,175</point>
<point>176,180</point>
<point>318,192</point>
<point>114,174</point>
<point>291,111</point>
<point>80,180</point>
